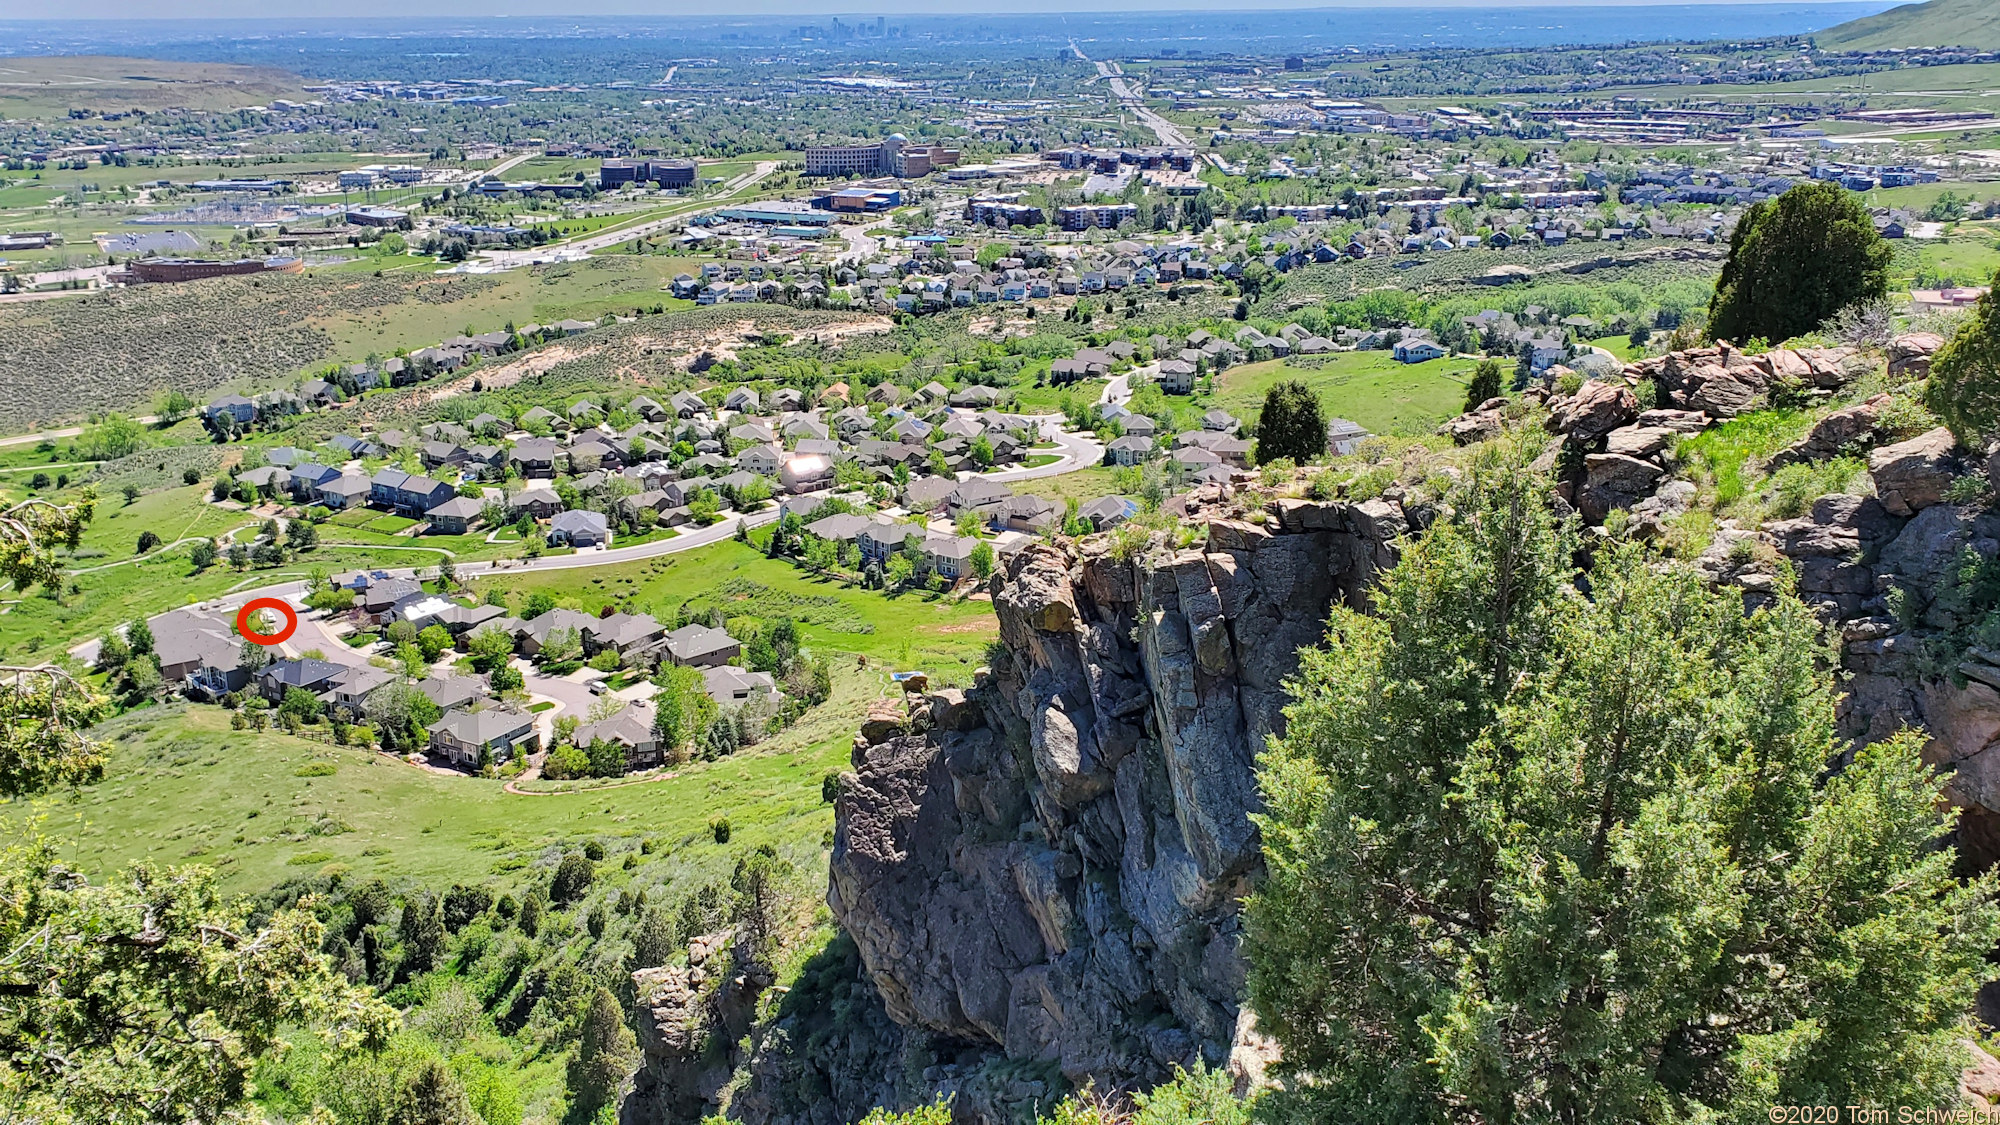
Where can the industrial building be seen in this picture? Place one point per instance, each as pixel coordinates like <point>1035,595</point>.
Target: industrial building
<point>894,155</point>
<point>168,270</point>
<point>664,173</point>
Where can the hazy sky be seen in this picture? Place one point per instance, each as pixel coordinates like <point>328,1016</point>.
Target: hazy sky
<point>392,9</point>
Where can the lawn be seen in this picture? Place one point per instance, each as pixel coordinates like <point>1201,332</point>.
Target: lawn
<point>1083,486</point>
<point>1368,388</point>
<point>946,639</point>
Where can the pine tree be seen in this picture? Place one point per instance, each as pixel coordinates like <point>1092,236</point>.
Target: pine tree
<point>1537,854</point>
<point>573,877</point>
<point>1796,260</point>
<point>1964,386</point>
<point>655,941</point>
<point>422,933</point>
<point>604,1056</point>
<point>1485,383</point>
<point>432,1095</point>
<point>1293,424</point>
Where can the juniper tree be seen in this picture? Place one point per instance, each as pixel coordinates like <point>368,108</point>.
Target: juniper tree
<point>1543,849</point>
<point>1796,260</point>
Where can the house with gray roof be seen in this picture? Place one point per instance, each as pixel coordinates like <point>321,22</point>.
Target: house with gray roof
<point>495,734</point>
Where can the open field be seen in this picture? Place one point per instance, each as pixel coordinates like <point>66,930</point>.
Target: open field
<point>181,786</point>
<point>32,87</point>
<point>1368,388</point>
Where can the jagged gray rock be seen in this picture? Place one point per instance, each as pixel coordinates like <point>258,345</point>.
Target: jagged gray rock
<point>1059,879</point>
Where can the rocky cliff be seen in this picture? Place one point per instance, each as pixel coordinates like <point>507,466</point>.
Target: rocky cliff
<point>1048,867</point>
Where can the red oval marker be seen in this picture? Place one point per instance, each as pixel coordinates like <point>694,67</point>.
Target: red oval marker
<point>252,606</point>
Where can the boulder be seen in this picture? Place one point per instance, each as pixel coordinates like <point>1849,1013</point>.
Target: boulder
<point>1679,421</point>
<point>1724,395</point>
<point>1855,428</point>
<point>1595,410</point>
<point>1910,354</point>
<point>1621,473</point>
<point>1652,514</point>
<point>1833,368</point>
<point>885,720</point>
<point>1912,475</point>
<point>1639,441</point>
<point>1473,428</point>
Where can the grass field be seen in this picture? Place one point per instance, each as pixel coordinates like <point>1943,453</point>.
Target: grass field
<point>947,639</point>
<point>1368,388</point>
<point>182,787</point>
<point>1083,486</point>
<point>45,87</point>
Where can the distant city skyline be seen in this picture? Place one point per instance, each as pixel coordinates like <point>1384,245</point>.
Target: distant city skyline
<point>542,9</point>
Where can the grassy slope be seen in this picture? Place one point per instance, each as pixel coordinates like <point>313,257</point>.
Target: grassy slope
<point>1939,23</point>
<point>1369,388</point>
<point>182,785</point>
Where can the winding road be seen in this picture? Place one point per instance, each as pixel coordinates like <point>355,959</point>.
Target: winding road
<point>1078,451</point>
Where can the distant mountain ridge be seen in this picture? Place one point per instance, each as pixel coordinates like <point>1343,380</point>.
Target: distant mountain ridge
<point>1938,23</point>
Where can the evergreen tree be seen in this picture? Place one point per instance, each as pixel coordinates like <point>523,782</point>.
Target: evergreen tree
<point>655,941</point>
<point>604,1056</point>
<point>1964,385</point>
<point>1796,260</point>
<point>1537,854</point>
<point>1485,383</point>
<point>573,877</point>
<point>433,1095</point>
<point>422,933</point>
<point>1293,424</point>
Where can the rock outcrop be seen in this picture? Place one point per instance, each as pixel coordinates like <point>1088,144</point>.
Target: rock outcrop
<point>1051,870</point>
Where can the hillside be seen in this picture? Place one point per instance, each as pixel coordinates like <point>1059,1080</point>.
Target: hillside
<point>1939,23</point>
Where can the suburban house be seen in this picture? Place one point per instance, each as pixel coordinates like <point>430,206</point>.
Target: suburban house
<point>701,646</point>
<point>534,457</point>
<point>1418,351</point>
<point>464,737</point>
<point>454,516</point>
<point>630,729</point>
<point>580,529</point>
<point>536,503</point>
<point>453,692</point>
<point>882,538</point>
<point>406,493</point>
<point>345,491</point>
<point>310,674</point>
<point>1130,450</point>
<point>199,650</point>
<point>1107,512</point>
<point>351,691</point>
<point>730,686</point>
<point>240,410</point>
<point>950,555</point>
